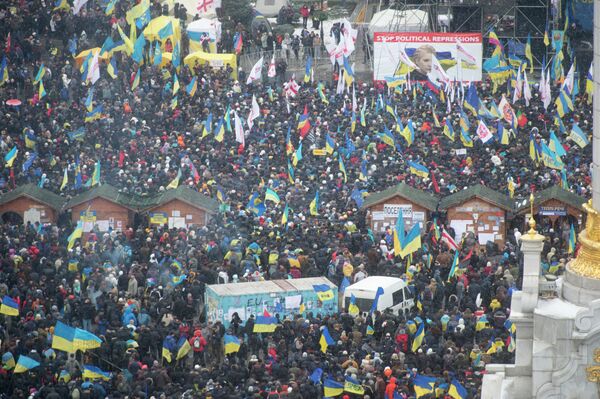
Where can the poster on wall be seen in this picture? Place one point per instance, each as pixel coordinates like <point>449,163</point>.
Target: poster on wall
<point>427,56</point>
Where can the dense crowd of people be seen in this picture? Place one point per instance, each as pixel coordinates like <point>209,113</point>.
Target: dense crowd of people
<point>119,285</point>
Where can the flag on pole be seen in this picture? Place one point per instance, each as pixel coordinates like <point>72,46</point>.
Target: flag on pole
<point>255,72</point>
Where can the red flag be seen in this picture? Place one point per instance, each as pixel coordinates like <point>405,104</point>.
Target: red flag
<point>12,177</point>
<point>121,158</point>
<point>7,47</point>
<point>266,314</point>
<point>435,183</point>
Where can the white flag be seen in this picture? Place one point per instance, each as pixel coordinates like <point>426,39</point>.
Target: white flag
<point>464,55</point>
<point>340,84</point>
<point>207,7</point>
<point>77,4</point>
<point>254,113</point>
<point>569,80</point>
<point>272,72</point>
<point>483,132</point>
<point>239,129</point>
<point>526,89</point>
<point>547,90</point>
<point>438,71</point>
<point>518,87</point>
<point>354,104</point>
<point>256,72</point>
<point>291,88</point>
<point>94,69</point>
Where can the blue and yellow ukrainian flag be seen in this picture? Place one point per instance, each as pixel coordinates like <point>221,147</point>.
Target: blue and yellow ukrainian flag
<point>353,309</point>
<point>89,100</point>
<point>418,338</point>
<point>454,266</point>
<point>40,74</point>
<point>285,215</point>
<point>324,292</point>
<point>388,138</point>
<point>77,233</point>
<point>578,136</point>
<point>41,90</point>
<point>94,115</point>
<point>314,205</point>
<point>192,87</point>
<point>63,337</point>
<point>465,138</point>
<point>271,195</point>
<point>94,373</point>
<point>293,260</point>
<point>395,81</point>
<point>550,158</point>
<point>11,308</point>
<point>265,324</point>
<point>207,125</point>
<point>10,157</point>
<point>111,68</point>
<point>380,291</point>
<point>412,241</point>
<point>8,361</point>
<point>423,385</point>
<point>555,145</point>
<point>456,390</point>
<point>348,72</point>
<point>418,169</point>
<point>342,168</point>
<point>25,363</point>
<point>220,130</point>
<point>308,70</point>
<point>325,340</point>
<point>572,240</point>
<point>408,133</point>
<point>448,129</point>
<point>175,84</point>
<point>184,348</point>
<point>297,155</point>
<point>329,144</point>
<point>353,386</point>
<point>3,71</point>
<point>84,340</point>
<point>510,326</point>
<point>232,344</point>
<point>563,103</point>
<point>166,352</point>
<point>332,388</point>
<point>30,139</point>
<point>481,323</point>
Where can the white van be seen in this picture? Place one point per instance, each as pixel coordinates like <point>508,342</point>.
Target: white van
<point>396,295</point>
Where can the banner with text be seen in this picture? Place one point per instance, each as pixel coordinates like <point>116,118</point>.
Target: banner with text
<point>427,56</point>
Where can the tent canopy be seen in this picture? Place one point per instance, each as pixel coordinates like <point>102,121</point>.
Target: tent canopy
<point>151,31</point>
<point>195,30</point>
<point>214,60</point>
<point>399,21</point>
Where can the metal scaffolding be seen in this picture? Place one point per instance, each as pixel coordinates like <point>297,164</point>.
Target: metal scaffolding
<point>509,19</point>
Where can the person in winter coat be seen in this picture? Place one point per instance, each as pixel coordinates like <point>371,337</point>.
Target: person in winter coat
<point>198,343</point>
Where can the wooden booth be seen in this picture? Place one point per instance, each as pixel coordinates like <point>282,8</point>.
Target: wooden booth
<point>104,207</point>
<point>30,203</point>
<point>480,210</point>
<point>182,207</point>
<point>553,206</point>
<point>383,207</point>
